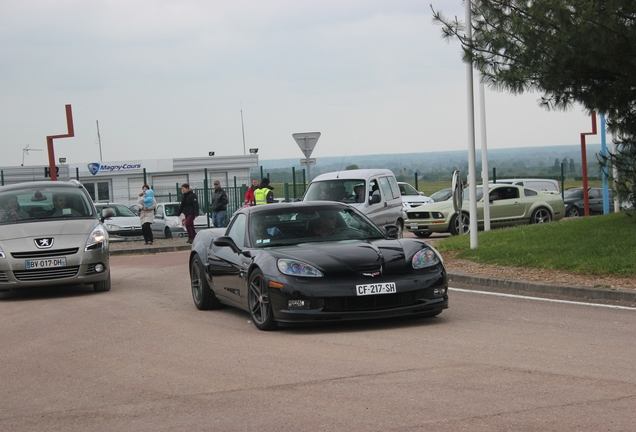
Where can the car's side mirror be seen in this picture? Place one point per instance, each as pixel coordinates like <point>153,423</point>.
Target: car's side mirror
<point>107,213</point>
<point>375,198</point>
<point>226,241</point>
<point>391,231</point>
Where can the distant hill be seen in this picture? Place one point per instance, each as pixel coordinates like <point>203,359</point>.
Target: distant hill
<point>510,162</point>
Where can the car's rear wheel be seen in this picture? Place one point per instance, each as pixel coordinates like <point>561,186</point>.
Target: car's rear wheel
<point>259,302</point>
<point>423,234</point>
<point>541,215</point>
<point>202,294</point>
<point>573,212</point>
<point>102,286</point>
<point>459,224</point>
<point>167,233</point>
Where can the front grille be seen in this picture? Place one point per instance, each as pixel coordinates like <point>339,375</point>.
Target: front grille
<point>369,268</point>
<point>3,277</point>
<point>45,274</point>
<point>418,215</point>
<point>373,302</point>
<point>44,253</point>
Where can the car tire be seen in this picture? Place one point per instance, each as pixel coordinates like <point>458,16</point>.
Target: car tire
<point>423,234</point>
<point>573,212</point>
<point>202,294</point>
<point>541,215</point>
<point>459,224</point>
<point>102,286</point>
<point>259,303</point>
<point>167,233</point>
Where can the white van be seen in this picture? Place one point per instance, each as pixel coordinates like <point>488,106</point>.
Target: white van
<point>544,185</point>
<point>375,192</point>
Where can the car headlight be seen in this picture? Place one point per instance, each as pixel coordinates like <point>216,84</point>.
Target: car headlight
<point>97,239</point>
<point>293,267</point>
<point>1,253</point>
<point>112,227</point>
<point>437,215</point>
<point>425,258</point>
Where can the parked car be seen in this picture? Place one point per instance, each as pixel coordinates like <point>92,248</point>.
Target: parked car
<point>124,225</point>
<point>544,185</point>
<point>167,222</point>
<point>575,201</point>
<point>50,234</point>
<point>314,262</point>
<point>375,192</point>
<point>134,208</point>
<point>411,197</point>
<point>509,205</point>
<point>442,195</point>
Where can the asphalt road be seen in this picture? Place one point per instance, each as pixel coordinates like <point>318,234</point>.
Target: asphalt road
<point>142,358</point>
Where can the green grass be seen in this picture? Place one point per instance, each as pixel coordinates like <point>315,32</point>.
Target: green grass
<point>599,245</point>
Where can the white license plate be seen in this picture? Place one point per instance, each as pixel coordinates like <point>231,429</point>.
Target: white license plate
<point>45,263</point>
<point>135,238</point>
<point>414,226</point>
<point>379,288</point>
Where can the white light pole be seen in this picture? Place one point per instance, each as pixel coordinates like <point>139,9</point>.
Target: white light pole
<point>472,170</point>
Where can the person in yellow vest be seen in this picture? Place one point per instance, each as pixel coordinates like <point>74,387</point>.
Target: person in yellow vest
<point>264,194</point>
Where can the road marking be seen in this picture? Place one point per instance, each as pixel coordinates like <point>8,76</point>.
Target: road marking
<point>541,299</point>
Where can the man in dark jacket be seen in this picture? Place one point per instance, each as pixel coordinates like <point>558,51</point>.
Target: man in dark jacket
<point>264,194</point>
<point>190,209</point>
<point>219,205</point>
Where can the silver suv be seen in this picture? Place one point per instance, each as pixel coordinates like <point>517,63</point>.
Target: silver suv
<point>50,234</point>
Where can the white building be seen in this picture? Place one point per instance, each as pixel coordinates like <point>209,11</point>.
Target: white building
<point>121,181</point>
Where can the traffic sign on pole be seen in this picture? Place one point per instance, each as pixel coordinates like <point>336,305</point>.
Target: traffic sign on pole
<point>307,141</point>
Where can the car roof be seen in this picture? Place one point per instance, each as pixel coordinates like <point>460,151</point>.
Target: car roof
<point>42,184</point>
<point>300,205</point>
<point>353,174</point>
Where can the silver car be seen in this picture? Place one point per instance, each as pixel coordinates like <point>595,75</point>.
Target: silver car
<point>124,225</point>
<point>50,234</point>
<point>167,221</point>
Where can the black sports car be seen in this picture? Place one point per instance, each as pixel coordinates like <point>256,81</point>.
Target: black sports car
<point>306,262</point>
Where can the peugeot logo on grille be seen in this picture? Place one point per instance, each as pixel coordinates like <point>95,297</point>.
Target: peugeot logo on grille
<point>44,243</point>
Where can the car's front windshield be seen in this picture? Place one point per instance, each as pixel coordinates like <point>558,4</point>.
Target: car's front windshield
<point>480,193</point>
<point>573,193</point>
<point>34,203</point>
<point>119,209</point>
<point>294,226</point>
<point>349,191</point>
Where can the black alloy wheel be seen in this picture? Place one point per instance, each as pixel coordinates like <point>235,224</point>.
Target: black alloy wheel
<point>259,304</point>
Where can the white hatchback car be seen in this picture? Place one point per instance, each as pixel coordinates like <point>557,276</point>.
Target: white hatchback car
<point>411,197</point>
<point>50,234</point>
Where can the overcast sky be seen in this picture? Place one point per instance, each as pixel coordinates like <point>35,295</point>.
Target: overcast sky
<point>168,79</point>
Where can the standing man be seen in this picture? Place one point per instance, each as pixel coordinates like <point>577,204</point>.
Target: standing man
<point>219,205</point>
<point>190,209</point>
<point>264,194</point>
<point>249,195</point>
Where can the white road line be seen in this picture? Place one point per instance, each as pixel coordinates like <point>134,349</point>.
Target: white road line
<point>540,299</point>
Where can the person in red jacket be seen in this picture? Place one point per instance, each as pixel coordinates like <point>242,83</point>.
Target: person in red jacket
<point>249,195</point>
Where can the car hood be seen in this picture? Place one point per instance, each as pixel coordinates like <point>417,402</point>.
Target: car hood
<point>357,256</point>
<point>123,221</point>
<point>21,236</point>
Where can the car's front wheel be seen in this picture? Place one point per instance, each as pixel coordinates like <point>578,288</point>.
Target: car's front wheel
<point>259,302</point>
<point>541,215</point>
<point>459,224</point>
<point>573,212</point>
<point>167,233</point>
<point>102,285</point>
<point>202,294</point>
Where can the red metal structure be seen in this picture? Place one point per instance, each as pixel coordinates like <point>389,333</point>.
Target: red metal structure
<point>586,198</point>
<point>49,141</point>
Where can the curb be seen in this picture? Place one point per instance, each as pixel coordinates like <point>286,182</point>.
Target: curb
<point>541,288</point>
<point>150,250</point>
